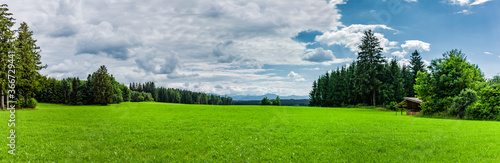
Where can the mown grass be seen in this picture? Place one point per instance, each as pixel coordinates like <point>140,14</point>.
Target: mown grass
<point>159,132</point>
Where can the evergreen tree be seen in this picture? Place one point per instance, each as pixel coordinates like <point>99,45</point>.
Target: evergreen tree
<point>277,101</point>
<point>28,63</point>
<point>370,65</point>
<point>7,48</point>
<point>416,65</point>
<point>314,95</point>
<point>102,88</point>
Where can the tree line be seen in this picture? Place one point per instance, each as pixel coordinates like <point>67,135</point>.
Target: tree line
<point>18,48</point>
<point>370,80</point>
<point>172,95</point>
<point>99,88</point>
<point>102,88</point>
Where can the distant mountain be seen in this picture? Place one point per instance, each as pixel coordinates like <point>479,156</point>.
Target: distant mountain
<point>270,96</point>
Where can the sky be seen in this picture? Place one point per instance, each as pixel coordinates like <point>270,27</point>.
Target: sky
<point>239,47</point>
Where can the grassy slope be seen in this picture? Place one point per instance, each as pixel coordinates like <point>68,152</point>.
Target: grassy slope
<point>159,131</point>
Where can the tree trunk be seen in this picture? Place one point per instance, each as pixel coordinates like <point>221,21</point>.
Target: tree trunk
<point>374,102</point>
<point>2,100</point>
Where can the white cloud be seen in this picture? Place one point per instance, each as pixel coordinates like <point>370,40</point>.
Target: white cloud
<point>465,12</point>
<point>478,2</point>
<point>313,69</point>
<point>351,36</point>
<point>416,44</point>
<point>319,55</point>
<point>411,0</point>
<point>411,45</point>
<point>295,76</point>
<point>488,53</point>
<point>468,2</point>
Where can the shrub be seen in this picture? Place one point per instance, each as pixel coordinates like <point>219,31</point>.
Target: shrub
<point>140,98</point>
<point>392,105</point>
<point>488,104</point>
<point>147,96</point>
<point>135,97</point>
<point>461,102</point>
<point>31,103</point>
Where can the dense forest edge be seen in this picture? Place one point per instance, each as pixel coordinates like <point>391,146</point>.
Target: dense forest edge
<point>449,86</point>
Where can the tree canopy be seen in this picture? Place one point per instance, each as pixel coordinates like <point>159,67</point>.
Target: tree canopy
<point>448,77</point>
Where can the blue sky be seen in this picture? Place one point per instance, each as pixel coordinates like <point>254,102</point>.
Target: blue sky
<point>250,47</point>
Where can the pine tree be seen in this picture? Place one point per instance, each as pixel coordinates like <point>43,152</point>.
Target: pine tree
<point>370,65</point>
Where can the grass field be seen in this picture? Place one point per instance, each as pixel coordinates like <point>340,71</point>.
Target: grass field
<point>158,132</point>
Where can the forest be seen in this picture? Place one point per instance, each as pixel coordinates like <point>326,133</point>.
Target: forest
<point>449,86</point>
<point>102,88</point>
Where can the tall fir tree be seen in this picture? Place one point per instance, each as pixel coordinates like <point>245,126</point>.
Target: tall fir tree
<point>6,48</point>
<point>102,88</point>
<point>314,95</point>
<point>29,63</point>
<point>369,67</point>
<point>416,65</point>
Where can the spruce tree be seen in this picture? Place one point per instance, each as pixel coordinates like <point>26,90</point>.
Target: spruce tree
<point>369,67</point>
<point>29,63</point>
<point>416,65</point>
<point>6,48</point>
<point>102,88</point>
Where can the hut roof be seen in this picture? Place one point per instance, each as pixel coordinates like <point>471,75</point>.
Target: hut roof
<point>413,99</point>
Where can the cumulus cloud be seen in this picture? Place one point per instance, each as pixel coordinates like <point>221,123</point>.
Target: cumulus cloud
<point>411,45</point>
<point>488,53</point>
<point>157,62</point>
<point>319,55</point>
<point>351,36</point>
<point>411,0</point>
<point>295,76</point>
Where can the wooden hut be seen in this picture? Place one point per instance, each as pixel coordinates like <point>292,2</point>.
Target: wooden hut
<point>412,105</point>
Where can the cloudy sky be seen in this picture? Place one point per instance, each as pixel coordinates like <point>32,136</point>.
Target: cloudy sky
<point>238,47</point>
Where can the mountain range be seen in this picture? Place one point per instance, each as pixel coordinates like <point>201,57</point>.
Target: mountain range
<point>270,96</point>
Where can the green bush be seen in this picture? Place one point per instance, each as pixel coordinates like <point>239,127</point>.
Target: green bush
<point>31,103</point>
<point>140,98</point>
<point>147,96</point>
<point>392,105</point>
<point>461,102</point>
<point>488,105</point>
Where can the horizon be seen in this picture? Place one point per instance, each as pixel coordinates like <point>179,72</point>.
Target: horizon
<point>249,48</point>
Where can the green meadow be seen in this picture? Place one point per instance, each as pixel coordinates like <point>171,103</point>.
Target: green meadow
<point>163,132</point>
